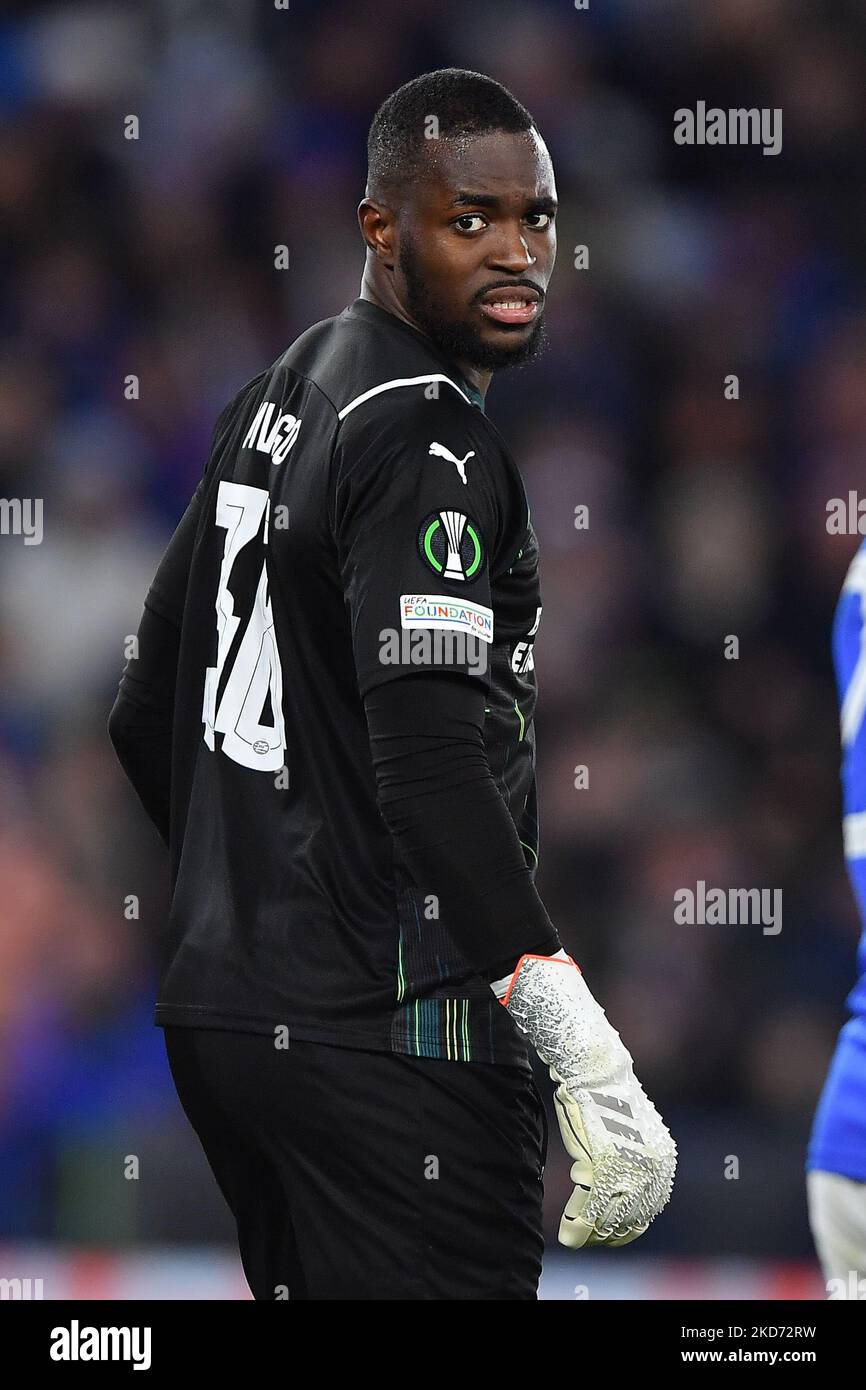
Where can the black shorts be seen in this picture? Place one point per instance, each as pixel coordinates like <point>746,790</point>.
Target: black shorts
<point>369,1175</point>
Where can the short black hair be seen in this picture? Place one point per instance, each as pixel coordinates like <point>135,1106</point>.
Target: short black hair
<point>462,102</point>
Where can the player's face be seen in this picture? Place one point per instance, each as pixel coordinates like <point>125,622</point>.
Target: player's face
<point>476,237</point>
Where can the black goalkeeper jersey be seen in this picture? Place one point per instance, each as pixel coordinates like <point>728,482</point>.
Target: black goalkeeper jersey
<point>356,498</point>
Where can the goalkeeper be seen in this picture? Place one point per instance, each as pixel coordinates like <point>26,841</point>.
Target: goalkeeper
<point>356,958</point>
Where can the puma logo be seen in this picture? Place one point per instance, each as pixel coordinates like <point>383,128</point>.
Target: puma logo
<point>439,451</point>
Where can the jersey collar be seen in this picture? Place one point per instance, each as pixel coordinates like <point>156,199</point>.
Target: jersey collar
<point>365,308</point>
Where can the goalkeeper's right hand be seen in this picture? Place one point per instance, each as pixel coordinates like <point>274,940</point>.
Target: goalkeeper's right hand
<point>624,1156</point>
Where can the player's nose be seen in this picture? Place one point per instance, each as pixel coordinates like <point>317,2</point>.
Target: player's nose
<point>512,252</point>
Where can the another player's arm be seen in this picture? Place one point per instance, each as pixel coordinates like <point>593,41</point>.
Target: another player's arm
<point>849,660</point>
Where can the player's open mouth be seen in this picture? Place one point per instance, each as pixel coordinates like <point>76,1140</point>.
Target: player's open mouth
<point>510,306</point>
<point>510,310</point>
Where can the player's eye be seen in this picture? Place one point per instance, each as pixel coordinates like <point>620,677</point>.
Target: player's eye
<point>539,221</point>
<point>470,217</point>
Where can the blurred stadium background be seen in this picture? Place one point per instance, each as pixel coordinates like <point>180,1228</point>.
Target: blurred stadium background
<point>155,257</point>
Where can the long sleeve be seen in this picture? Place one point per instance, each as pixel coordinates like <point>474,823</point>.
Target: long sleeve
<point>140,723</point>
<point>452,826</point>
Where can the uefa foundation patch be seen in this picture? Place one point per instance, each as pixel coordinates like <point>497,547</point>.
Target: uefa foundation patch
<point>450,545</point>
<point>440,611</point>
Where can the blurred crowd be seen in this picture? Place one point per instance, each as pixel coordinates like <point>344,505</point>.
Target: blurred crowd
<point>138,291</point>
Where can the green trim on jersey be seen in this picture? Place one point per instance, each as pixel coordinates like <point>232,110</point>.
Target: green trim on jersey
<point>522,722</point>
<point>442,1028</point>
<point>472,392</point>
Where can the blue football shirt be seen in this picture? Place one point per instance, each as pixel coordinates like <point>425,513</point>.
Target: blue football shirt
<point>838,1140</point>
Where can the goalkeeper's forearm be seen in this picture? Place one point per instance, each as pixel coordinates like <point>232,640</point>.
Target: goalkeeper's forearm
<point>454,831</point>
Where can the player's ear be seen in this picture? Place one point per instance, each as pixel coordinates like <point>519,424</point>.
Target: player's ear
<point>377,222</point>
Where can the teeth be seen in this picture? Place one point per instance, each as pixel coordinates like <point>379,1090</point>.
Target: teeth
<point>509,303</point>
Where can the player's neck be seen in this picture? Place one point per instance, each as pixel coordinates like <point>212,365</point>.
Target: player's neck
<point>474,375</point>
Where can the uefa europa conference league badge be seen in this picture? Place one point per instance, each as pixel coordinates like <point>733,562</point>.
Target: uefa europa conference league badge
<point>449,544</point>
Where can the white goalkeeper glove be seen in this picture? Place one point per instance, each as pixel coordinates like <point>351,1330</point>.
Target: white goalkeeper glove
<point>624,1156</point>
